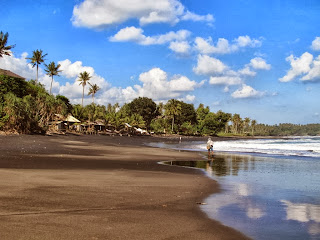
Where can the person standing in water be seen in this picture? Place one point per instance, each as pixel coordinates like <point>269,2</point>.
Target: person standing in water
<point>210,146</point>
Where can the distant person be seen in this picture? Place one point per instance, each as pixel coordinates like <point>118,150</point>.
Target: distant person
<point>210,146</point>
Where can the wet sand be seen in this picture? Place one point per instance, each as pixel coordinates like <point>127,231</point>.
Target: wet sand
<point>101,187</point>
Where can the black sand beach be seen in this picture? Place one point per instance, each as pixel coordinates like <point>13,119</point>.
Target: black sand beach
<point>101,187</point>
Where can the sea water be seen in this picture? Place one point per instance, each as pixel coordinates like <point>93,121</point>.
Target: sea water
<point>270,187</point>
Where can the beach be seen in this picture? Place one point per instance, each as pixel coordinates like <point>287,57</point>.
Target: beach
<point>102,187</point>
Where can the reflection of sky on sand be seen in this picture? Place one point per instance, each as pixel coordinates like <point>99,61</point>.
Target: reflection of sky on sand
<point>266,198</point>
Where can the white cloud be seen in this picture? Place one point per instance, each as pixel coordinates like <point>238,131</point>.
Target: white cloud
<point>247,92</point>
<point>221,74</point>
<point>209,66</point>
<point>156,85</point>
<point>181,48</point>
<point>71,71</point>
<point>259,63</point>
<point>188,98</point>
<point>206,46</point>
<point>103,13</point>
<point>246,41</point>
<point>299,66</point>
<point>225,80</point>
<point>197,18</point>
<point>19,66</point>
<point>133,34</point>
<point>246,71</point>
<point>314,73</point>
<point>316,44</point>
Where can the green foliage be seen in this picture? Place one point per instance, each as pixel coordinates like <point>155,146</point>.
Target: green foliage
<point>287,129</point>
<point>211,124</point>
<point>172,110</point>
<point>27,107</point>
<point>79,112</point>
<point>136,120</point>
<point>94,112</point>
<point>187,114</point>
<point>17,86</point>
<point>159,125</point>
<point>67,103</point>
<point>187,128</point>
<point>202,112</point>
<point>144,107</point>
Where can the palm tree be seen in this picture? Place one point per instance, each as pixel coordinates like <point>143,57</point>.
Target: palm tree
<point>4,49</point>
<point>52,70</point>
<point>253,124</point>
<point>246,123</point>
<point>93,90</point>
<point>36,59</point>
<point>236,120</point>
<point>173,108</point>
<point>84,77</point>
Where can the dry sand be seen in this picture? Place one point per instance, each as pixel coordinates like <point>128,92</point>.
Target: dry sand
<point>101,187</point>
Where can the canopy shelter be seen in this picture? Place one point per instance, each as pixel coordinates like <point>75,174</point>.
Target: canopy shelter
<point>72,119</point>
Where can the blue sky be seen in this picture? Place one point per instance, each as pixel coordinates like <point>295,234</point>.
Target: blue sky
<point>260,59</point>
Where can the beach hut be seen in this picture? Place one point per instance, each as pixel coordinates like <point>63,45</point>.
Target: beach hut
<point>70,121</point>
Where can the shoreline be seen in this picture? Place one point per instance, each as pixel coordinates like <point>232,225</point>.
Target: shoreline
<point>102,187</point>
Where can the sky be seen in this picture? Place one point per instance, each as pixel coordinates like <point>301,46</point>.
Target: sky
<point>260,59</point>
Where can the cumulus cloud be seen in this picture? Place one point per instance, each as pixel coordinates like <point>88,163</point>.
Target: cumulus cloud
<point>180,48</point>
<point>18,65</point>
<point>316,44</point>
<point>299,65</point>
<point>247,92</point>
<point>133,34</point>
<point>225,80</point>
<point>197,18</point>
<point>314,73</point>
<point>207,65</point>
<point>246,71</point>
<point>71,71</point>
<point>155,84</point>
<point>206,46</point>
<point>103,13</point>
<point>221,74</point>
<point>188,98</point>
<point>259,63</point>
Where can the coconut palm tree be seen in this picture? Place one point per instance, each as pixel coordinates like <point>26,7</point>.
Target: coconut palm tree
<point>84,78</point>
<point>4,49</point>
<point>52,70</point>
<point>93,90</point>
<point>36,59</point>
<point>253,124</point>
<point>172,109</point>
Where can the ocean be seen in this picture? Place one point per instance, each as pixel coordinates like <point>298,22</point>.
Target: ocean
<point>270,187</point>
